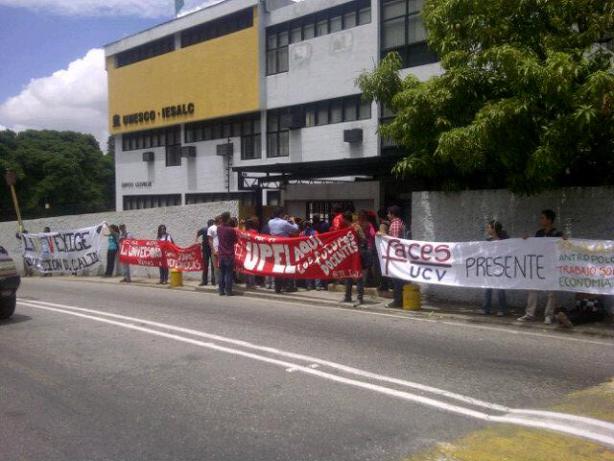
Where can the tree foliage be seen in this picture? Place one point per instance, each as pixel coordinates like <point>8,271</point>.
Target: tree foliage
<point>65,169</point>
<point>526,101</point>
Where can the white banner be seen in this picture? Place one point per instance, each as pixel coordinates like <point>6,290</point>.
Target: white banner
<point>549,264</point>
<point>64,251</point>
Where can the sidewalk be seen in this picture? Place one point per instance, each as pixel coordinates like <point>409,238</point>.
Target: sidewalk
<point>376,303</point>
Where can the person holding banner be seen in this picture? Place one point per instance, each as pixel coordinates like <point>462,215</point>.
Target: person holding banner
<point>494,230</point>
<point>112,248</point>
<point>207,254</point>
<point>396,229</point>
<point>227,238</point>
<point>124,267</point>
<point>366,243</point>
<point>163,236</point>
<point>547,229</point>
<point>280,227</point>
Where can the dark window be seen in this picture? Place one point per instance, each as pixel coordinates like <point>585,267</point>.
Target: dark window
<point>149,50</point>
<point>347,109</point>
<point>278,133</point>
<point>403,32</point>
<point>148,139</point>
<point>217,28</point>
<point>247,127</point>
<point>173,155</point>
<point>325,22</point>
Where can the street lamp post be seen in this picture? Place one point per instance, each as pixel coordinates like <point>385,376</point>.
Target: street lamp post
<point>11,180</point>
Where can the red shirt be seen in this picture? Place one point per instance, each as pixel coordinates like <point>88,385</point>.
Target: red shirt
<point>227,237</point>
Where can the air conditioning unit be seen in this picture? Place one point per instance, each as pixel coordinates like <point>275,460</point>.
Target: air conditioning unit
<point>148,156</point>
<point>226,149</point>
<point>353,136</point>
<point>188,151</point>
<point>297,120</point>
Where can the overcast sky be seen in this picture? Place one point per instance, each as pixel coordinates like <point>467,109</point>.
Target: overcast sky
<point>52,65</point>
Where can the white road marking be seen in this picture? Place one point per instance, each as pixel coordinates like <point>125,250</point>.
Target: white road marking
<point>307,304</point>
<point>596,430</point>
<point>292,355</point>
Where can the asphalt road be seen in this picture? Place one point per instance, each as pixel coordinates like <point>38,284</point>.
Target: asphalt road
<point>175,375</point>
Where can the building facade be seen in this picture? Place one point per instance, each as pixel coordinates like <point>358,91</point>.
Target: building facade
<point>258,100</point>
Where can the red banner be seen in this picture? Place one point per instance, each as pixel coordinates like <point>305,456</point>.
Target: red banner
<point>329,256</point>
<point>155,253</point>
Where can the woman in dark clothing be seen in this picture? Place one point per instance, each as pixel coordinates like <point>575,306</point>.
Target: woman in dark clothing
<point>164,237</point>
<point>494,231</point>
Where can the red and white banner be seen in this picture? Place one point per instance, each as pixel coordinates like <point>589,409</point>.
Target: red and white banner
<point>156,253</point>
<point>333,255</point>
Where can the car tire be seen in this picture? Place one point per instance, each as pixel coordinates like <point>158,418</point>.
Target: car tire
<point>7,306</point>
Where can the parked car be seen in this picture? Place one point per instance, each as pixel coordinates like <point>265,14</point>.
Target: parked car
<point>9,282</point>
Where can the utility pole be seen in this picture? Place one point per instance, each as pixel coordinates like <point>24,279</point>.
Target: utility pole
<point>11,179</point>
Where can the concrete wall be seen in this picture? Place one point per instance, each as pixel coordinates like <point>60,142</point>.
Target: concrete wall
<point>457,217</point>
<point>182,223</point>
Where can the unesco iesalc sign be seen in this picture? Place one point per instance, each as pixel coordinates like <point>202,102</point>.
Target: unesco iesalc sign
<point>168,112</point>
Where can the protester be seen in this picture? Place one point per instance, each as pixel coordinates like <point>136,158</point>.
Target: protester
<point>494,231</point>
<point>207,254</point>
<point>588,308</point>
<point>280,227</point>
<point>124,268</point>
<point>113,246</point>
<point>163,236</point>
<point>366,242</point>
<point>27,269</point>
<point>227,238</point>
<point>46,249</point>
<point>320,226</point>
<point>214,243</point>
<point>396,230</point>
<point>546,229</point>
<point>338,220</point>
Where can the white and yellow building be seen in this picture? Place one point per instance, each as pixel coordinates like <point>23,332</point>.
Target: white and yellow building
<point>257,99</point>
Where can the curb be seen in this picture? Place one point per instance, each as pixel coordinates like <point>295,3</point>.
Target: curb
<point>376,305</point>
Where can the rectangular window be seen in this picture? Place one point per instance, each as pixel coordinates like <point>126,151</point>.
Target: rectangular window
<point>277,51</point>
<point>325,22</point>
<point>349,20</point>
<point>336,24</point>
<point>365,110</point>
<point>218,27</point>
<point>150,138</point>
<point>309,31</point>
<point>350,109</point>
<point>310,116</point>
<point>403,31</point>
<point>323,113</point>
<point>278,134</point>
<point>222,128</point>
<point>173,155</point>
<point>336,111</point>
<point>322,27</point>
<point>147,51</point>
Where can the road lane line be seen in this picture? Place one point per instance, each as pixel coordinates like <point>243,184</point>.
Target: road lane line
<point>292,355</point>
<point>600,431</point>
<point>464,324</point>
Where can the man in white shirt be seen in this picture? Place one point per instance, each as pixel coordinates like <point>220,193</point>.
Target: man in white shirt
<point>214,244</point>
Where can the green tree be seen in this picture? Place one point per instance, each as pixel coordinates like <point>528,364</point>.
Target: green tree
<point>526,101</point>
<point>65,170</point>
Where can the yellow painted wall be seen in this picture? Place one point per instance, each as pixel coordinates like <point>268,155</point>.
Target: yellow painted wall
<point>220,76</point>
